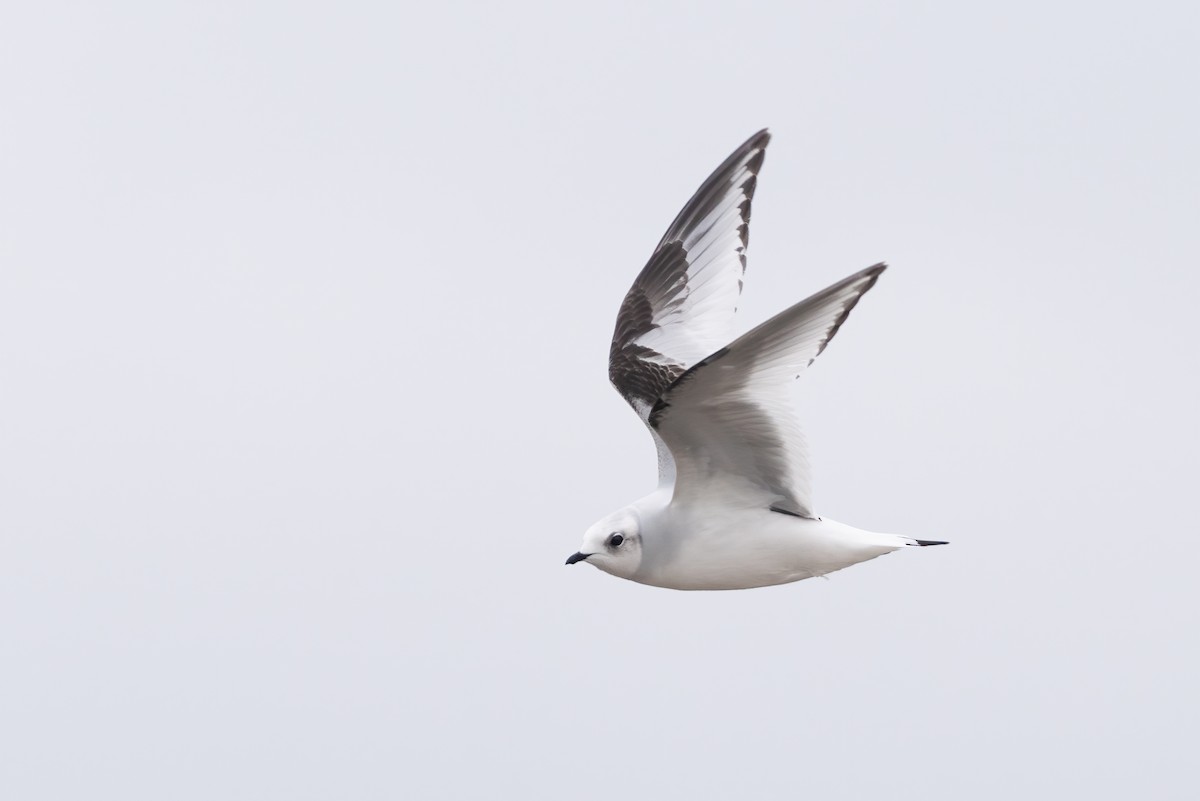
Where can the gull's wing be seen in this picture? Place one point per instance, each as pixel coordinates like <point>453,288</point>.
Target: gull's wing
<point>729,420</point>
<point>681,306</point>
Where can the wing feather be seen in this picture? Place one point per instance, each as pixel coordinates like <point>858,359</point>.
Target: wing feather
<point>681,306</point>
<point>729,421</point>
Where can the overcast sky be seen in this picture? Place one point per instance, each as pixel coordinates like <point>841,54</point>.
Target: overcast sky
<point>304,317</point>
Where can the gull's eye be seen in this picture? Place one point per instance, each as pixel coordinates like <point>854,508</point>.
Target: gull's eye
<point>615,540</point>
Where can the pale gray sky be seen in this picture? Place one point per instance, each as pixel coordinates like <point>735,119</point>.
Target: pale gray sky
<point>304,311</point>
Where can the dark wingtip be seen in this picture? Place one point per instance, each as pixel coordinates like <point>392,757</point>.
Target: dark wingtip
<point>931,542</point>
<point>875,270</point>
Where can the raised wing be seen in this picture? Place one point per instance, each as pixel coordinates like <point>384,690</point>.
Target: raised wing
<point>681,306</point>
<point>729,420</point>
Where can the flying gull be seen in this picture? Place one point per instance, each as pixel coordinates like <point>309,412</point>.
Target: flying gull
<point>733,508</point>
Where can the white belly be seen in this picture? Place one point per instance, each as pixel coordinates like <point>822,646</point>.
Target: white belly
<point>751,548</point>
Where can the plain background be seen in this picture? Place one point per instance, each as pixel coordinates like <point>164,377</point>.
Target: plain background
<point>304,313</point>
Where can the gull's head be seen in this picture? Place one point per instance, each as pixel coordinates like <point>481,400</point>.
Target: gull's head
<point>613,544</point>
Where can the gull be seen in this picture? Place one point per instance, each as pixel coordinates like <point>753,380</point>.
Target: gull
<point>733,507</point>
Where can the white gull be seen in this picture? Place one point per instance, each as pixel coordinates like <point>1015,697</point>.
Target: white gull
<point>733,507</point>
